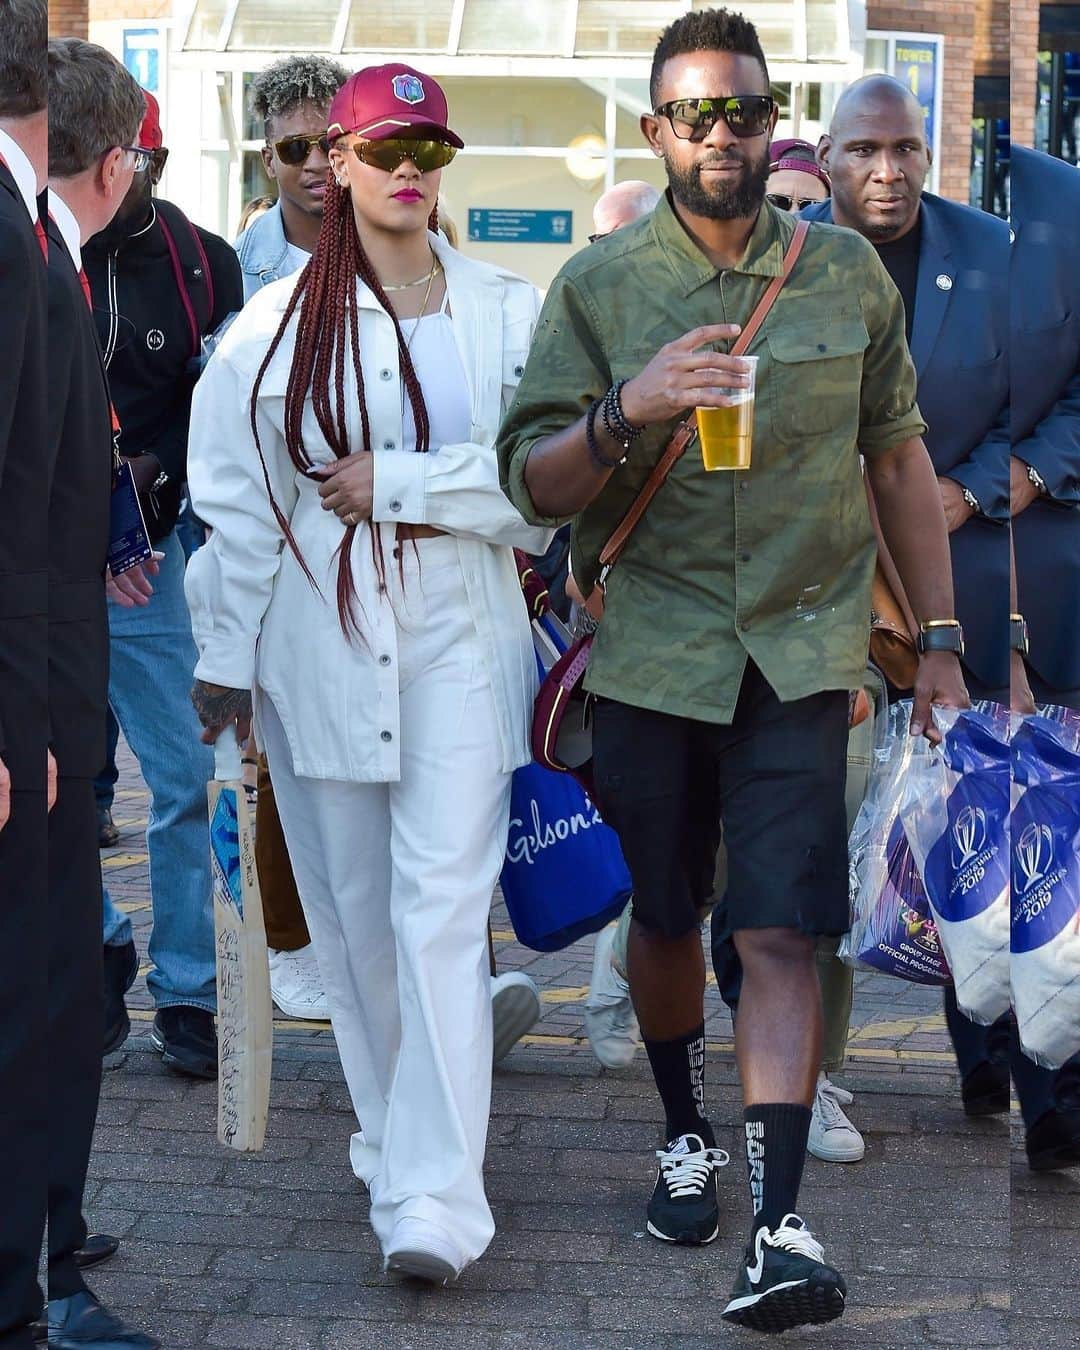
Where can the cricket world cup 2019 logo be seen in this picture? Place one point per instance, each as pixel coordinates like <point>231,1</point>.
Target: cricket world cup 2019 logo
<point>1035,854</point>
<point>408,89</point>
<point>969,835</point>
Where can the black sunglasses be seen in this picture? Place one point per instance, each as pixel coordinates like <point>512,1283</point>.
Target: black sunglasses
<point>790,203</point>
<point>142,157</point>
<point>594,237</point>
<point>394,151</point>
<point>294,150</point>
<point>693,118</point>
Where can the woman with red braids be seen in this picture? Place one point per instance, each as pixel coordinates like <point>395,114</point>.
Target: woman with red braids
<point>360,578</point>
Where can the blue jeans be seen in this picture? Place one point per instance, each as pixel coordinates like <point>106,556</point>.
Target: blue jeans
<point>152,657</point>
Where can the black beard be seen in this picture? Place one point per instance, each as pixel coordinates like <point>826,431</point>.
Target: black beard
<point>730,201</point>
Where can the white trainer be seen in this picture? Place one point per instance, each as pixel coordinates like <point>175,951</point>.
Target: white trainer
<point>422,1251</point>
<point>515,1008</point>
<point>833,1138</point>
<point>610,1023</point>
<point>296,985</point>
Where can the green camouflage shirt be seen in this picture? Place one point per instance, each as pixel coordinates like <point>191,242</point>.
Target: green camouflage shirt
<point>776,561</point>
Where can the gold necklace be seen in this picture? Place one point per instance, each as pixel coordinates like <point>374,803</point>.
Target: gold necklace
<point>408,285</point>
<point>423,307</point>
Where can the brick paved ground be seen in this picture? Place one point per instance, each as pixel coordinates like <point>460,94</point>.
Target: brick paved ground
<point>272,1252</point>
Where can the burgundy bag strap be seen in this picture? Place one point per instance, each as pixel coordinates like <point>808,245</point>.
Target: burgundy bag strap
<point>686,430</point>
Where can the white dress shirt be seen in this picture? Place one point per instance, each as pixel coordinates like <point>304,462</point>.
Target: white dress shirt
<point>22,171</point>
<point>68,227</point>
<point>256,618</point>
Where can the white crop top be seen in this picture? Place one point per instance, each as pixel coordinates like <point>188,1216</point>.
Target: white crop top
<point>438,367</point>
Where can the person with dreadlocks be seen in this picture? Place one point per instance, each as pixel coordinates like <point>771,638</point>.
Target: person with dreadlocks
<point>360,578</point>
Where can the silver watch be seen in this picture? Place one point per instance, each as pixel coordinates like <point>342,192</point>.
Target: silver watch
<point>1036,477</point>
<point>972,500</point>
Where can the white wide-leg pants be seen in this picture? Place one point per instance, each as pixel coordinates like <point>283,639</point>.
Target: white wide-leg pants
<point>396,881</point>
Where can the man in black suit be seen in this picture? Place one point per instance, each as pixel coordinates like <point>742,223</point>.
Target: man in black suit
<point>951,266</point>
<point>23,666</point>
<point>95,109</point>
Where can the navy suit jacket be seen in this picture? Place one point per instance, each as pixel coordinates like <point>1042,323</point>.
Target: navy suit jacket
<point>1045,366</point>
<point>959,343</point>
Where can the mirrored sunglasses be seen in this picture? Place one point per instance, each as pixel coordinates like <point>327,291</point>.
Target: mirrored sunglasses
<point>790,203</point>
<point>693,118</point>
<point>388,154</point>
<point>294,150</point>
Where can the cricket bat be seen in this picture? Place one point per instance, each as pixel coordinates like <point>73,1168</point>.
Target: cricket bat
<point>244,1025</point>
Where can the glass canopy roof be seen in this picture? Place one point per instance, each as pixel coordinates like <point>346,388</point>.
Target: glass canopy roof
<point>795,30</point>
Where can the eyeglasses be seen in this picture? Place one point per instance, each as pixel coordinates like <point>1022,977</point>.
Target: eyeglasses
<point>294,150</point>
<point>594,237</point>
<point>143,158</point>
<point>693,118</point>
<point>790,203</point>
<point>389,154</point>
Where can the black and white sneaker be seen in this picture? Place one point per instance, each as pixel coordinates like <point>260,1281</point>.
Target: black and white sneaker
<point>785,1282</point>
<point>683,1206</point>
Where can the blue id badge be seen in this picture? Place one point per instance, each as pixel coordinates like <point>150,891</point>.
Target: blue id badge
<point>129,543</point>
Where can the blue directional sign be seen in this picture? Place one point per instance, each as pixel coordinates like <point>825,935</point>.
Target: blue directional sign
<point>141,56</point>
<point>511,226</point>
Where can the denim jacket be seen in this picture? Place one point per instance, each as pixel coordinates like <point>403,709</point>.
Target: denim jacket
<point>262,249</point>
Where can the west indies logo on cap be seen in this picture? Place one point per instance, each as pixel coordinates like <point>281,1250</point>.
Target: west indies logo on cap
<point>408,88</point>
<point>391,100</point>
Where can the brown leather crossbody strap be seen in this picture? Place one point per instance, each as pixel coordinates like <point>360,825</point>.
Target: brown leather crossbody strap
<point>686,430</point>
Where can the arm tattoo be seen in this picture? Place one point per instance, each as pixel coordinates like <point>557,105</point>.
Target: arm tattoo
<point>217,707</point>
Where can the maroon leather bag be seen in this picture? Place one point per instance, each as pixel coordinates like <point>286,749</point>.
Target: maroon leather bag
<point>561,728</point>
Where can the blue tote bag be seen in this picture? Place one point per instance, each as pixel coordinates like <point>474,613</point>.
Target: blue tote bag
<point>564,874</point>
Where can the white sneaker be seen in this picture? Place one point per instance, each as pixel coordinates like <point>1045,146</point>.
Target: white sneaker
<point>833,1138</point>
<point>515,1007</point>
<point>423,1252</point>
<point>296,985</point>
<point>610,1023</point>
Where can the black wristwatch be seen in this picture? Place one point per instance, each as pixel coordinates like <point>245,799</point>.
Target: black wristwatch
<point>1018,634</point>
<point>941,635</point>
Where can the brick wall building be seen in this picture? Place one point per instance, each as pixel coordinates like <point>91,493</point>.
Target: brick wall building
<point>67,18</point>
<point>1023,73</point>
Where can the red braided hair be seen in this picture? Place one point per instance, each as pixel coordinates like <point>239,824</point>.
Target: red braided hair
<point>328,326</point>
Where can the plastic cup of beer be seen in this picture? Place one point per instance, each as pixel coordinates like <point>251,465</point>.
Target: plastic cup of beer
<point>726,432</point>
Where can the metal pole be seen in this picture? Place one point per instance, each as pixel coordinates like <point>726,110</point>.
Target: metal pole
<point>1057,103</point>
<point>989,139</point>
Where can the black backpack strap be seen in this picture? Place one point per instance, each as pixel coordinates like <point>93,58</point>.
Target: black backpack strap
<point>191,270</point>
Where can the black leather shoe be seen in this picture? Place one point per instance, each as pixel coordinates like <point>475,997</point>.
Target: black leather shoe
<point>108,836</point>
<point>186,1040</point>
<point>98,1247</point>
<point>121,967</point>
<point>81,1321</point>
<point>1053,1142</point>
<point>985,1090</point>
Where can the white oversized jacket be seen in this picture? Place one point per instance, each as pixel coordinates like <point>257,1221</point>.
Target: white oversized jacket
<point>257,621</point>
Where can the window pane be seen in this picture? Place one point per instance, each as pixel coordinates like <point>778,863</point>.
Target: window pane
<point>823,29</point>
<point>272,25</point>
<point>526,30</point>
<point>877,56</point>
<point>399,25</point>
<point>774,21</point>
<point>206,24</point>
<point>629,27</point>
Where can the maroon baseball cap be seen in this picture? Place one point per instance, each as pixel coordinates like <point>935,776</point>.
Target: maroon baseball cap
<point>150,131</point>
<point>384,101</point>
<point>780,158</point>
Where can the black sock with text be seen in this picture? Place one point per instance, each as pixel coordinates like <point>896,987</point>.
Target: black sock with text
<point>776,1135</point>
<point>679,1069</point>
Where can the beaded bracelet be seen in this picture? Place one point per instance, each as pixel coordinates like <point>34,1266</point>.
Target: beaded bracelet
<point>615,419</point>
<point>595,454</point>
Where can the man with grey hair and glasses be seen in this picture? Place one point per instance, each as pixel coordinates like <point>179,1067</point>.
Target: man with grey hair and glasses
<point>95,111</point>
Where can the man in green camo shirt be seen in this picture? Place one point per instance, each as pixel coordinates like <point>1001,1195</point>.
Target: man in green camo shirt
<point>738,617</point>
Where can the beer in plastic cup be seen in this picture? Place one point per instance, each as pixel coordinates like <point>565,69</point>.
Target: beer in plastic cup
<point>726,432</point>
